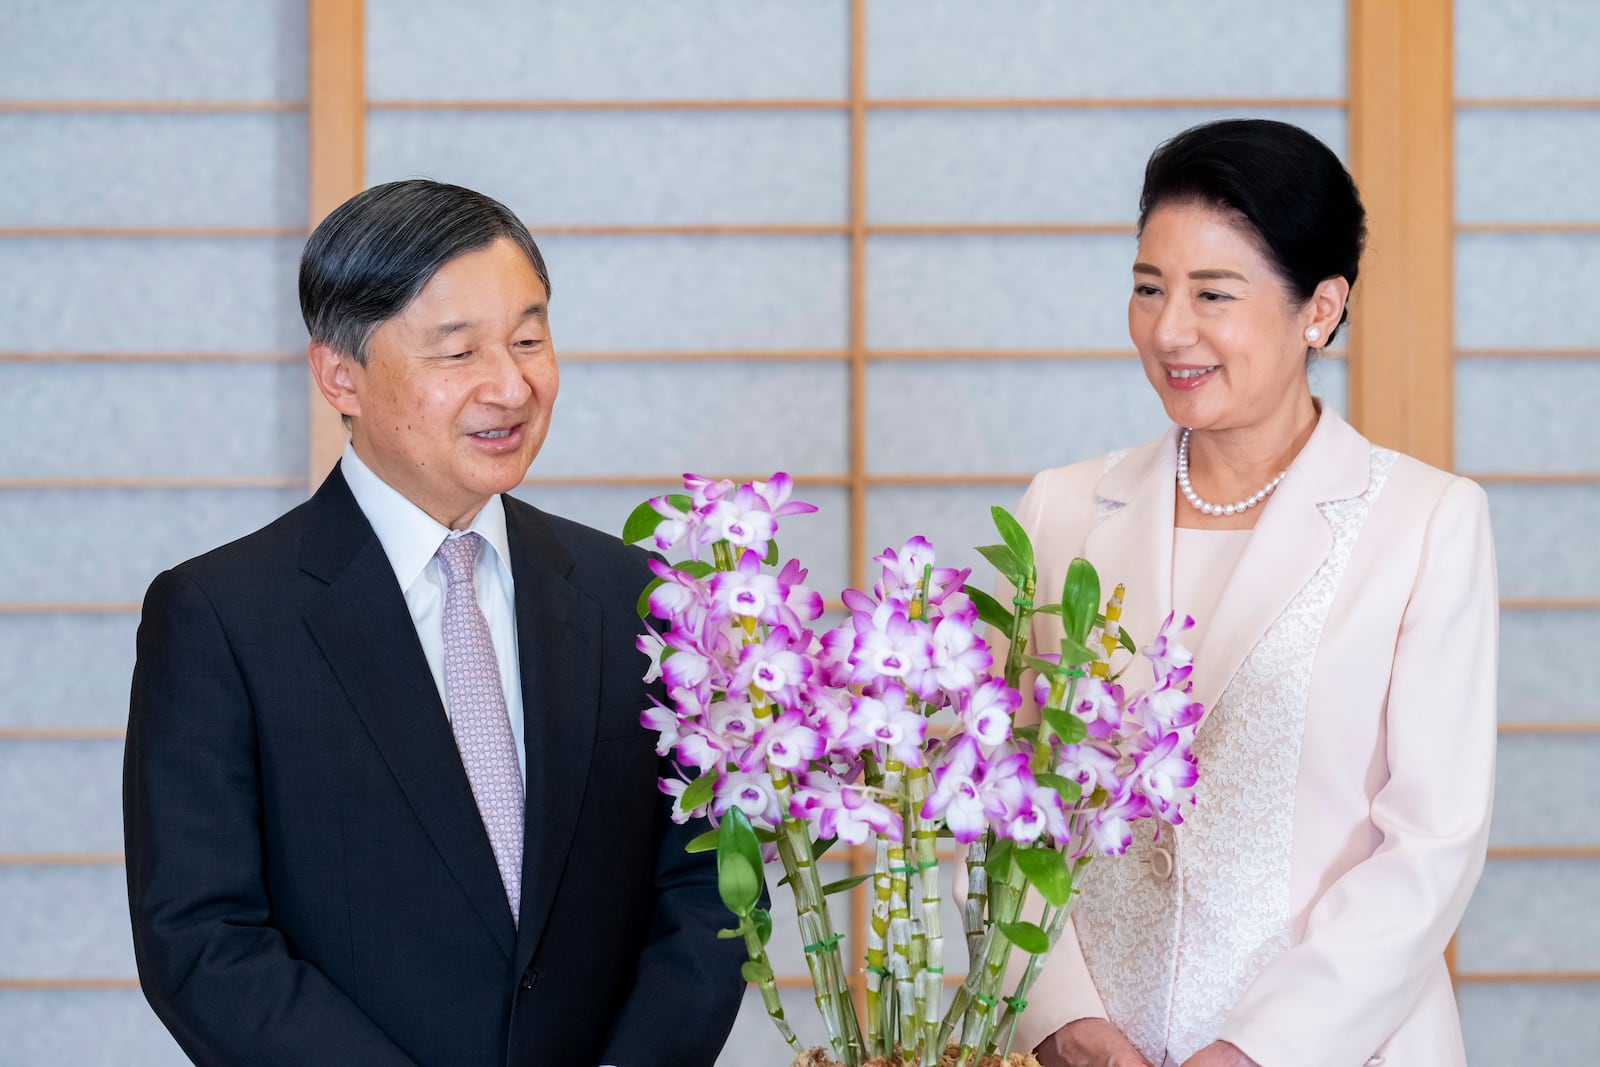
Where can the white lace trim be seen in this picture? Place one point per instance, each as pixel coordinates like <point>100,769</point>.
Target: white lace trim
<point>1171,957</point>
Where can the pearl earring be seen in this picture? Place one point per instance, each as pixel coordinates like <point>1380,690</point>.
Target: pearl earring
<point>1312,334</point>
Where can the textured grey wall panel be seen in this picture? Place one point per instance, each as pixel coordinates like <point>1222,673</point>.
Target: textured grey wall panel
<point>84,1028</point>
<point>1548,669</point>
<point>65,670</point>
<point>698,293</point>
<point>1164,47</point>
<point>1527,415</point>
<point>1031,166</point>
<point>983,292</point>
<point>628,167</point>
<point>607,49</point>
<point>65,922</point>
<point>1506,1024</point>
<point>1527,166</point>
<point>153,170</point>
<point>98,419</point>
<point>98,545</point>
<point>668,418</point>
<point>61,796</point>
<point>1517,290</point>
<point>1545,791</point>
<point>150,294</point>
<point>1526,48</point>
<point>1533,915</point>
<point>1543,539</point>
<point>178,50</point>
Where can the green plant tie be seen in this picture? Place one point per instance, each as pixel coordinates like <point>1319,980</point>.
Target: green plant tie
<point>984,999</point>
<point>1017,1004</point>
<point>825,943</point>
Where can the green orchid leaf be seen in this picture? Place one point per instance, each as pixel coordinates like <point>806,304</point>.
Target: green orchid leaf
<point>1080,597</point>
<point>1065,725</point>
<point>756,971</point>
<point>772,554</point>
<point>738,875</point>
<point>1070,791</point>
<point>1043,666</point>
<point>737,831</point>
<point>641,523</point>
<point>998,863</point>
<point>1046,871</point>
<point>990,611</point>
<point>1026,936</point>
<point>1015,537</point>
<point>703,843</point>
<point>763,920</point>
<point>821,845</point>
<point>1006,562</point>
<point>680,501</point>
<point>695,568</point>
<point>729,935</point>
<point>642,606</point>
<point>844,884</point>
<point>1074,653</point>
<point>698,792</point>
<point>1026,734</point>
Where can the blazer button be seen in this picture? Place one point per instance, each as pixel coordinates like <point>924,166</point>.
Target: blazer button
<point>1161,862</point>
<point>528,978</point>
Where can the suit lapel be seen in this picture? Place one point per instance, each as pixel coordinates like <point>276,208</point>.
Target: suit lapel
<point>1133,545</point>
<point>1290,542</point>
<point>558,629</point>
<point>363,627</point>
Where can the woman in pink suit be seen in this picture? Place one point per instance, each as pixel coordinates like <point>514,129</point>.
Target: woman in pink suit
<point>1345,648</point>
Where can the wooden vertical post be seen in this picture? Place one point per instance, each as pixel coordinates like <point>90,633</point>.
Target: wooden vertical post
<point>336,131</point>
<point>1401,130</point>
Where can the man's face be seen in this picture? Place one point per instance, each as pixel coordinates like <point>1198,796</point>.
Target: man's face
<point>455,399</point>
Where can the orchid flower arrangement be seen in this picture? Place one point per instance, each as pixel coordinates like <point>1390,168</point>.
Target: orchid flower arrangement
<point>788,741</point>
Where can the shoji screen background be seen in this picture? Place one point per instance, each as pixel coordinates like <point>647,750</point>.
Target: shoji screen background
<point>1527,252</point>
<point>152,403</point>
<point>881,244</point>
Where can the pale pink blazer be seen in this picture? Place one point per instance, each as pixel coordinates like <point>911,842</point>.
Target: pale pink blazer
<point>1347,764</point>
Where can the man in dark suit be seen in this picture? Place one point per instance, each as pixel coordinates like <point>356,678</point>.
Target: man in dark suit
<point>386,796</point>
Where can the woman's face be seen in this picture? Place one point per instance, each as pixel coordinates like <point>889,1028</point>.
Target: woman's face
<point>1221,339</point>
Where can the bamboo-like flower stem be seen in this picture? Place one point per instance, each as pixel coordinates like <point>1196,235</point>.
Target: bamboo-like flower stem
<point>769,986</point>
<point>1012,1014</point>
<point>930,979</point>
<point>877,939</point>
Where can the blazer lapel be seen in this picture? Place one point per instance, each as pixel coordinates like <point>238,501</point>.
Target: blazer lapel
<point>558,629</point>
<point>1290,542</point>
<point>363,627</point>
<point>1133,545</point>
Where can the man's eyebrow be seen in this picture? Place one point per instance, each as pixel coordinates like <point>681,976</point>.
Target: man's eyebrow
<point>445,330</point>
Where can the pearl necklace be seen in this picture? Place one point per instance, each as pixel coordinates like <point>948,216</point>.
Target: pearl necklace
<point>1207,508</point>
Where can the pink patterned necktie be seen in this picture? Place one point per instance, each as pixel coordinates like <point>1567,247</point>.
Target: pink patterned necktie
<point>478,712</point>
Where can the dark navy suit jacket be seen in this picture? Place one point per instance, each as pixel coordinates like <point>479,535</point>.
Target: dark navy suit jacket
<point>309,879</point>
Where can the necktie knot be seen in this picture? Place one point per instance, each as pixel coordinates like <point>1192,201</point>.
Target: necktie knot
<point>458,556</point>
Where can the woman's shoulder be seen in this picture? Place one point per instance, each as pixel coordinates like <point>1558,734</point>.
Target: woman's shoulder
<point>1072,492</point>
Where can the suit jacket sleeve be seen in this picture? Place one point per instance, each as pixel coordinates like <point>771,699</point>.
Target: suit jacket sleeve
<point>687,989</point>
<point>218,974</point>
<point>1375,933</point>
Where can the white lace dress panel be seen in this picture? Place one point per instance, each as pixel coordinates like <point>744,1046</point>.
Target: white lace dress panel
<point>1174,930</point>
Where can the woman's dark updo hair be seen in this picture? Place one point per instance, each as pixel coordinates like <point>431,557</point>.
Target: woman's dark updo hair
<point>1289,186</point>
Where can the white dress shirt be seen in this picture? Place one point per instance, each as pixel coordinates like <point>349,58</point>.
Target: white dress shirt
<point>410,538</point>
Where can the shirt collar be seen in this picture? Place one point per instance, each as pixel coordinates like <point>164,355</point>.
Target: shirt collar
<point>409,535</point>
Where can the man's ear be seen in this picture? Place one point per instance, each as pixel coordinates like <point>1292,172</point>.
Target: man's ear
<point>332,373</point>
